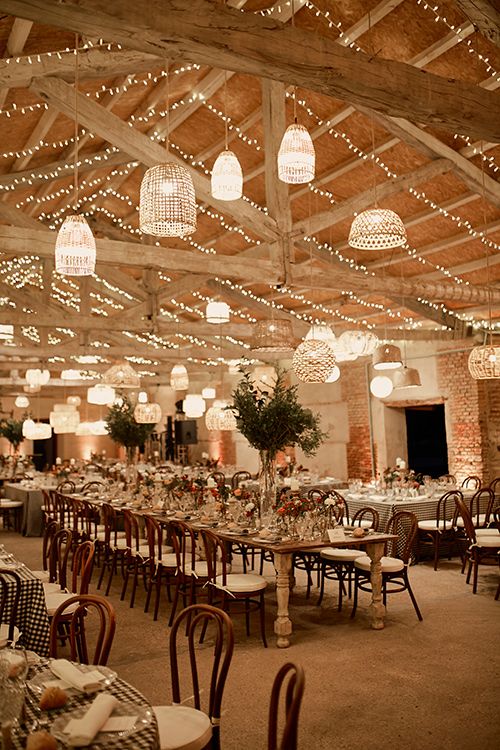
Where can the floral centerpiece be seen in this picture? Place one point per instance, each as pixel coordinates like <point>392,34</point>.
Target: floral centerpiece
<point>272,421</point>
<point>123,429</point>
<point>12,430</point>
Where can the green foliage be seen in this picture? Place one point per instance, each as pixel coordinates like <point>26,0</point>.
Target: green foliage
<point>123,428</point>
<point>273,421</point>
<point>12,430</point>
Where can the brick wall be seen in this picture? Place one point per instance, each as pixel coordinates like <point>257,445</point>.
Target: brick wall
<point>354,393</point>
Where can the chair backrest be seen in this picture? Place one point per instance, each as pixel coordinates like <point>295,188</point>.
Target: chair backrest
<point>444,502</point>
<point>366,514</point>
<point>467,519</point>
<point>293,699</point>
<point>471,482</point>
<point>316,495</point>
<point>219,477</point>
<point>448,478</point>
<point>154,533</point>
<point>83,562</point>
<point>49,532</point>
<point>66,486</point>
<point>184,544</point>
<point>110,521</point>
<point>216,556</point>
<point>190,619</point>
<point>92,486</point>
<point>58,556</point>
<point>9,602</point>
<point>404,523</point>
<point>341,509</point>
<point>49,504</point>
<point>481,503</point>
<point>239,476</point>
<point>132,530</point>
<point>495,486</point>
<point>78,629</point>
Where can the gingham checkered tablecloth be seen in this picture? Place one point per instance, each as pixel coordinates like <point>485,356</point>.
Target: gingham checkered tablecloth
<point>32,618</point>
<point>423,507</point>
<point>145,739</point>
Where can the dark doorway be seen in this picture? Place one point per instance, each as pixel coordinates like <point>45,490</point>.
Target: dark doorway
<point>426,435</point>
<point>45,452</point>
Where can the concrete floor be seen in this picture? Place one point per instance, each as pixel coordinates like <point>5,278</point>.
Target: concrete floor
<point>413,685</point>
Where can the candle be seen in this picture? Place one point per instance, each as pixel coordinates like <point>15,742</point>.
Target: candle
<point>58,461</point>
<point>294,484</point>
<point>72,461</point>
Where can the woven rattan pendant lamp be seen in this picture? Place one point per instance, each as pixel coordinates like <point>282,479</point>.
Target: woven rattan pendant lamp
<point>227,176</point>
<point>167,204</point>
<point>75,244</point>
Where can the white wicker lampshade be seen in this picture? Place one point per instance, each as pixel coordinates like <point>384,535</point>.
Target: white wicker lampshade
<point>387,357</point>
<point>227,177</point>
<point>194,405</point>
<point>179,378</point>
<point>313,361</point>
<point>22,402</point>
<point>342,354</point>
<point>406,377</point>
<point>321,332</point>
<point>71,375</point>
<point>217,312</point>
<point>377,229</point>
<point>296,156</point>
<point>37,377</point>
<point>273,336</point>
<point>208,392</point>
<point>167,206</point>
<point>99,427</point>
<point>75,247</point>
<point>218,417</point>
<point>333,376</point>
<point>149,413</point>
<point>121,376</point>
<point>102,395</point>
<point>381,386</point>
<point>359,343</point>
<point>36,430</point>
<point>6,332</point>
<point>74,400</point>
<point>484,362</point>
<point>142,397</point>
<point>84,429</point>
<point>64,421</point>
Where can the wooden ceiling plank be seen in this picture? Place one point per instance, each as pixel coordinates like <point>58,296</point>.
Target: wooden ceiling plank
<point>485,16</point>
<point>18,36</point>
<point>113,129</point>
<point>243,42</point>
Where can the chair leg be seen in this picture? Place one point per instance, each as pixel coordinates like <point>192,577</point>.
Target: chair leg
<point>340,576</point>
<point>321,583</point>
<point>412,597</point>
<point>437,540</point>
<point>247,615</point>
<point>263,619</point>
<point>475,565</point>
<point>355,600</point>
<point>158,594</point>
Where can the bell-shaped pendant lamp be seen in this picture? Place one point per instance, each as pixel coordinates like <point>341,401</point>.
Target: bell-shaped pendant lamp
<point>387,357</point>
<point>227,177</point>
<point>147,413</point>
<point>121,375</point>
<point>484,362</point>
<point>217,312</point>
<point>37,377</point>
<point>273,335</point>
<point>377,229</point>
<point>296,156</point>
<point>194,405</point>
<point>179,378</point>
<point>406,377</point>
<point>75,247</point>
<point>219,417</point>
<point>6,332</point>
<point>102,395</point>
<point>167,205</point>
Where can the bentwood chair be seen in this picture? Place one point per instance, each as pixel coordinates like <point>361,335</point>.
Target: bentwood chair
<point>218,476</point>
<point>93,486</point>
<point>10,595</point>
<point>482,550</point>
<point>49,533</point>
<point>75,615</point>
<point>61,543</point>
<point>240,476</point>
<point>471,482</point>
<point>439,530</point>
<point>293,699</point>
<point>394,563</point>
<point>182,726</point>
<point>495,486</point>
<point>233,588</point>
<point>114,544</point>
<point>480,508</point>
<point>137,554</point>
<point>162,564</point>
<point>83,561</point>
<point>66,486</point>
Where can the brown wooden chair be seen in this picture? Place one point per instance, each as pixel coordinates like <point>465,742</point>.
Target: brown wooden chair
<point>83,560</point>
<point>162,564</point>
<point>218,476</point>
<point>182,726</point>
<point>480,508</point>
<point>293,699</point>
<point>93,486</point>
<point>471,482</point>
<point>191,572</point>
<point>60,548</point>
<point>482,550</point>
<point>113,544</point>
<point>49,532</point>
<point>495,486</point>
<point>74,615</point>
<point>232,588</point>
<point>66,486</point>
<point>136,556</point>
<point>394,563</point>
<point>439,530</point>
<point>10,596</point>
<point>239,476</point>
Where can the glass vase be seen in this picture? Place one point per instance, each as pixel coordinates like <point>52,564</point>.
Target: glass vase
<point>267,485</point>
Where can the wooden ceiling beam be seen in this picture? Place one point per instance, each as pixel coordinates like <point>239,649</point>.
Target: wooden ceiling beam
<point>18,36</point>
<point>461,329</point>
<point>93,116</point>
<point>219,36</point>
<point>485,16</point>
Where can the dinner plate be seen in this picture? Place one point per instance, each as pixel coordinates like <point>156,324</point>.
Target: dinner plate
<point>144,717</point>
<point>45,675</point>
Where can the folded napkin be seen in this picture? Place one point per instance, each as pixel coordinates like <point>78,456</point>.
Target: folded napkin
<point>81,732</point>
<point>86,682</point>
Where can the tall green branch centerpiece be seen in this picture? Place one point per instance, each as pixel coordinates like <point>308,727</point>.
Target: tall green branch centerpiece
<point>272,420</point>
<point>124,430</point>
<point>12,430</point>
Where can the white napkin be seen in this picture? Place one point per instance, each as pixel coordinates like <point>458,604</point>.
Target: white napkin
<point>81,732</point>
<point>86,682</point>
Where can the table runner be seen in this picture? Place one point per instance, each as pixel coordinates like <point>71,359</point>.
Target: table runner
<point>32,618</point>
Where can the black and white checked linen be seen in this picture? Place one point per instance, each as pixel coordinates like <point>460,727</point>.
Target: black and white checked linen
<point>145,739</point>
<point>32,618</point>
<point>423,507</point>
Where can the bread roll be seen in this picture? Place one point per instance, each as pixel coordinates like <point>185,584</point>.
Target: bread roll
<point>358,532</point>
<point>41,740</point>
<point>53,697</point>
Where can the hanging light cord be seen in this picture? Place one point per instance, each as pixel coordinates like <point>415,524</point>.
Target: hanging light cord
<point>225,111</point>
<point>167,139</point>
<point>75,166</point>
<point>485,232</point>
<point>294,87</point>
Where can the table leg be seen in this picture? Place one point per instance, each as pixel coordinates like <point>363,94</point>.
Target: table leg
<point>377,610</point>
<point>283,624</point>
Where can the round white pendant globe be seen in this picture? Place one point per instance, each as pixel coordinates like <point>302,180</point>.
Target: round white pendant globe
<point>194,405</point>
<point>22,402</point>
<point>381,386</point>
<point>334,375</point>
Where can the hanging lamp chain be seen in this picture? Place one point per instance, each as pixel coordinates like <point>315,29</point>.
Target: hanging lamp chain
<point>75,165</point>
<point>485,233</point>
<point>167,139</point>
<point>225,112</point>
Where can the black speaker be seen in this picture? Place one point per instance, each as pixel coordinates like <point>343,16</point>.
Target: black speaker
<point>186,432</point>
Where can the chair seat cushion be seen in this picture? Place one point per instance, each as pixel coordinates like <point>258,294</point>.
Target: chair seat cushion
<point>476,520</point>
<point>10,504</point>
<point>341,555</point>
<point>201,569</point>
<point>431,525</point>
<point>242,582</point>
<point>51,588</point>
<point>487,532</point>
<point>101,535</point>
<point>389,564</point>
<point>42,575</point>
<point>488,541</point>
<point>54,600</point>
<point>168,560</point>
<point>182,728</point>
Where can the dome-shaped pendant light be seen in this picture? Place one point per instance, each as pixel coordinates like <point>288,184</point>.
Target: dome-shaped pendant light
<point>179,378</point>
<point>406,377</point>
<point>37,377</point>
<point>313,361</point>
<point>194,405</point>
<point>387,357</point>
<point>219,417</point>
<point>75,250</point>
<point>149,413</point>
<point>217,312</point>
<point>377,229</point>
<point>227,177</point>
<point>121,376</point>
<point>273,335</point>
<point>484,362</point>
<point>296,156</point>
<point>167,203</point>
